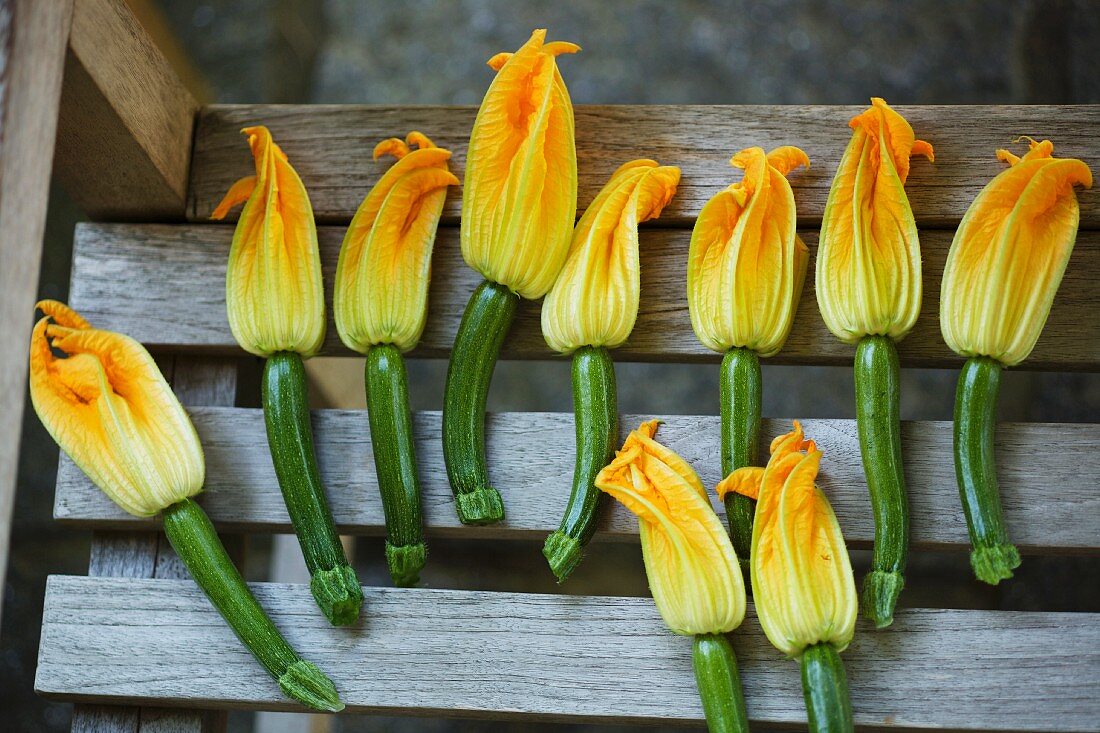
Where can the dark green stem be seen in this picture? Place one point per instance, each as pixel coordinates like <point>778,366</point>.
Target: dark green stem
<point>395,462</point>
<point>197,544</point>
<point>290,436</point>
<point>719,684</point>
<point>878,417</point>
<point>597,426</point>
<point>739,385</point>
<point>825,687</point>
<point>485,323</point>
<point>992,556</point>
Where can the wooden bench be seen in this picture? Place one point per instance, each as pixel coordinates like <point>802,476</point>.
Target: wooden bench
<point>121,643</point>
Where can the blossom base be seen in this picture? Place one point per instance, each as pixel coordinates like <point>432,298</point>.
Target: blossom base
<point>995,563</point>
<point>405,562</point>
<point>719,684</point>
<point>825,689</point>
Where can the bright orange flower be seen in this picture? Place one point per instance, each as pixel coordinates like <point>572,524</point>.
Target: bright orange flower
<point>746,264</point>
<point>1009,255</point>
<point>108,407</point>
<point>594,301</point>
<point>520,193</point>
<point>273,291</point>
<point>868,260</point>
<point>385,262</point>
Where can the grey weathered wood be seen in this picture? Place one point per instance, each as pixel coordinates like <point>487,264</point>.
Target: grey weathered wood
<point>531,462</point>
<point>577,658</point>
<point>330,147</point>
<point>180,302</point>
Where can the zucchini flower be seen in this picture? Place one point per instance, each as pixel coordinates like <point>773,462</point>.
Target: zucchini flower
<point>1004,268</point>
<point>869,293</point>
<point>276,307</point>
<point>381,305</point>
<point>591,309</point>
<point>801,575</point>
<point>108,407</point>
<point>691,565</point>
<point>746,268</point>
<point>518,207</point>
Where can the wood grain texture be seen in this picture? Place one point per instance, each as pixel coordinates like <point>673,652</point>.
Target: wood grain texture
<point>567,658</point>
<point>531,462</point>
<point>180,302</point>
<point>126,126</point>
<point>330,147</point>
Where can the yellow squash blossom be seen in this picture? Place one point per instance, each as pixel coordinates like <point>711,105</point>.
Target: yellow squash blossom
<point>385,262</point>
<point>108,407</point>
<point>801,576</point>
<point>746,264</point>
<point>868,261</point>
<point>273,291</point>
<point>692,568</point>
<point>1009,255</point>
<point>594,301</point>
<point>520,191</point>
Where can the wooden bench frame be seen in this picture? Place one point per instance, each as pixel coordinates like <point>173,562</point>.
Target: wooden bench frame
<point>129,149</point>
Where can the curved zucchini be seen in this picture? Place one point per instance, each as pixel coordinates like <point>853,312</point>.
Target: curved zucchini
<point>195,541</point>
<point>878,397</point>
<point>485,323</point>
<point>825,688</point>
<point>740,388</point>
<point>719,684</point>
<point>290,436</point>
<point>992,556</point>
<point>597,426</point>
<point>395,462</point>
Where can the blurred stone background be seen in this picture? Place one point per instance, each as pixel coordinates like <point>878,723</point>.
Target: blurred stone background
<point>654,52</point>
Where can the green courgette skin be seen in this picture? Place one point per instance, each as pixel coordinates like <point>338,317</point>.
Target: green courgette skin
<point>395,462</point>
<point>740,387</point>
<point>485,323</point>
<point>878,418</point>
<point>290,437</point>
<point>825,688</point>
<point>197,544</point>
<point>597,426</point>
<point>992,556</point>
<point>719,684</point>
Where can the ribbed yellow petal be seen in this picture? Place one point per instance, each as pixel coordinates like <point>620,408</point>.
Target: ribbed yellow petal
<point>1009,254</point>
<point>746,264</point>
<point>382,275</point>
<point>594,301</point>
<point>868,260</point>
<point>692,568</point>
<point>108,407</point>
<point>273,291</point>
<point>520,193</point>
<point>801,575</point>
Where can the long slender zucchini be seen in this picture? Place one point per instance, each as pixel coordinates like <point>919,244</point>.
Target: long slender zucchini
<point>290,436</point>
<point>395,462</point>
<point>992,556</point>
<point>597,426</point>
<point>195,541</point>
<point>719,684</point>
<point>740,389</point>
<point>825,688</point>
<point>485,323</point>
<point>878,408</point>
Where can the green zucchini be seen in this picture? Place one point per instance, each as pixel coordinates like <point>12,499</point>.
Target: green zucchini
<point>740,388</point>
<point>395,462</point>
<point>825,688</point>
<point>597,427</point>
<point>485,323</point>
<point>290,437</point>
<point>878,418</point>
<point>719,684</point>
<point>195,541</point>
<point>992,556</point>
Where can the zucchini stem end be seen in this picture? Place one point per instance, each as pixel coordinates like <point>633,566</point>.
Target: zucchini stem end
<point>338,594</point>
<point>994,563</point>
<point>309,686</point>
<point>405,563</point>
<point>563,553</point>
<point>483,506</point>
<point>880,594</point>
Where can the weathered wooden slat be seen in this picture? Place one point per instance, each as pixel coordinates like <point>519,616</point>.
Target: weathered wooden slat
<point>330,146</point>
<point>180,302</point>
<point>531,462</point>
<point>569,658</point>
